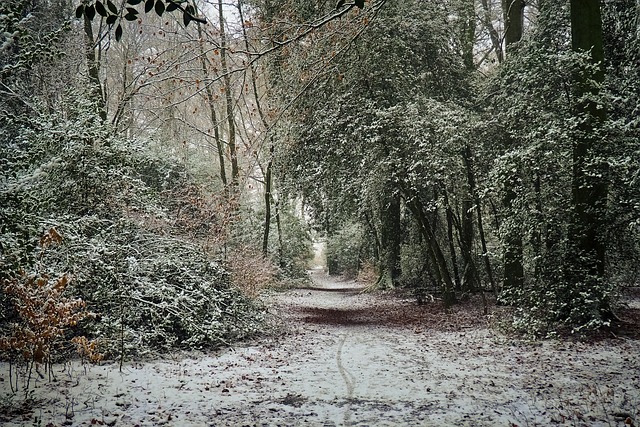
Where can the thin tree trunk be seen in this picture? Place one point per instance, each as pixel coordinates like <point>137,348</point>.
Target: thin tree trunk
<point>267,201</point>
<point>279,228</point>
<point>538,231</point>
<point>390,236</point>
<point>226,78</point>
<point>469,278</point>
<point>94,71</point>
<point>452,249</point>
<point>468,162</point>
<point>212,109</point>
<point>493,33</point>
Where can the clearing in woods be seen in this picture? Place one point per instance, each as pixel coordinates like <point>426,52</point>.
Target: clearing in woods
<point>362,359</point>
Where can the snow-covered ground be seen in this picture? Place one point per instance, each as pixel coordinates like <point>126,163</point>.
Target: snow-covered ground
<point>353,358</point>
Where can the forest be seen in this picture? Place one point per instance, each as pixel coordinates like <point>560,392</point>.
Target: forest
<point>167,163</point>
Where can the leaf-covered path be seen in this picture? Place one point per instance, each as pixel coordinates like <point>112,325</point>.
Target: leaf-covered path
<point>353,358</point>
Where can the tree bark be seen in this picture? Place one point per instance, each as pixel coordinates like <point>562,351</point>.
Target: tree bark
<point>93,69</point>
<point>513,252</point>
<point>493,33</point>
<point>589,184</point>
<point>468,33</point>
<point>212,110</point>
<point>226,78</point>
<point>452,248</point>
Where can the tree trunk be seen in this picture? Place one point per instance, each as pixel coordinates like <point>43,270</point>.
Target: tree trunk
<point>493,33</point>
<point>226,78</point>
<point>468,33</point>
<point>513,21</point>
<point>452,248</point>
<point>469,280</point>
<point>97,92</point>
<point>589,184</point>
<point>268,180</point>
<point>267,201</point>
<point>212,109</point>
<point>468,162</point>
<point>513,253</point>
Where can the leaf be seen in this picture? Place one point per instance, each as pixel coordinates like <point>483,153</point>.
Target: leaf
<point>148,5</point>
<point>118,32</point>
<point>79,11</point>
<point>100,9</point>
<point>160,7</point>
<point>171,6</point>
<point>90,12</point>
<point>186,18</point>
<point>130,17</point>
<point>111,19</point>
<point>134,2</point>
<point>359,3</point>
<point>112,7</point>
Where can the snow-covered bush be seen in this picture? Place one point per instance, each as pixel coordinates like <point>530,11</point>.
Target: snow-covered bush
<point>150,292</point>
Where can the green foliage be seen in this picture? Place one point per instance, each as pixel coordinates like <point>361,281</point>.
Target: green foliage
<point>344,250</point>
<point>408,116</point>
<point>532,99</point>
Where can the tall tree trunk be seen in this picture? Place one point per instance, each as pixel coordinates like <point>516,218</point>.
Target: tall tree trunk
<point>513,253</point>
<point>213,116</point>
<point>268,174</point>
<point>469,279</point>
<point>226,78</point>
<point>268,196</point>
<point>590,171</point>
<point>468,14</point>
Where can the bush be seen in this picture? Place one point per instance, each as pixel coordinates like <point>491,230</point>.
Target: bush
<point>150,292</point>
<point>251,271</point>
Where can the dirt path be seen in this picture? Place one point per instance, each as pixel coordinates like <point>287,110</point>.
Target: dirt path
<point>352,358</point>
